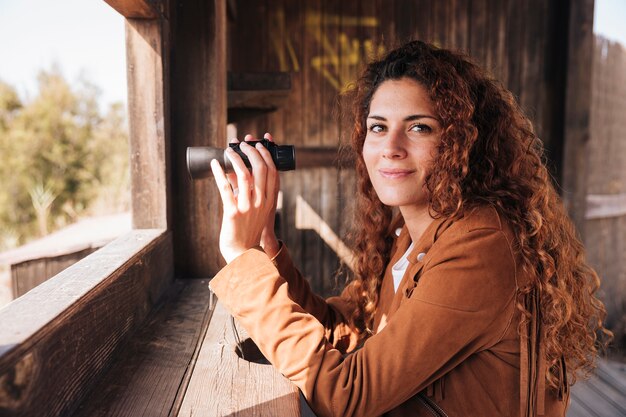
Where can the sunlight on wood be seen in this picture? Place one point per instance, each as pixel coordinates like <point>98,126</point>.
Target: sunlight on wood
<point>308,219</point>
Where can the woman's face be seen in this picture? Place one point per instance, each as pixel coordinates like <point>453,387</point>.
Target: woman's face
<point>402,137</point>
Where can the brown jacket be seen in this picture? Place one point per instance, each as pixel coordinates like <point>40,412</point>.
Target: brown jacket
<point>446,343</point>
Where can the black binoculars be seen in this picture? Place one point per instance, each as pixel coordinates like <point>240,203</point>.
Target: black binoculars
<point>199,158</point>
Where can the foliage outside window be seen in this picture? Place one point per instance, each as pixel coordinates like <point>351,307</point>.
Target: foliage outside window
<point>62,158</point>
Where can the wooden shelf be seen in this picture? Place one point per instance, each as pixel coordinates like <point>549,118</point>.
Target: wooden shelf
<point>252,94</point>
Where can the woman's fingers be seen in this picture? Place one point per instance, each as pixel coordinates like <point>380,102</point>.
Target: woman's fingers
<point>272,174</point>
<point>244,180</point>
<point>259,171</point>
<point>232,177</point>
<point>252,188</point>
<point>226,193</point>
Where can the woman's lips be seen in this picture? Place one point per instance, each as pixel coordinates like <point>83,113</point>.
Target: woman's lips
<point>395,173</point>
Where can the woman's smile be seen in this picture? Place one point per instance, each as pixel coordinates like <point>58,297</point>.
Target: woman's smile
<point>395,173</point>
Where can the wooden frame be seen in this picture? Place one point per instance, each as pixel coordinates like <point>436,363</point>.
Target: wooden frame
<point>135,9</point>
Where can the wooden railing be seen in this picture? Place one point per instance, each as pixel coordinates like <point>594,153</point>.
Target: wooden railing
<point>115,334</point>
<point>57,339</point>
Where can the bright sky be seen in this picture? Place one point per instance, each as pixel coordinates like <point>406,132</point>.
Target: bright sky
<point>87,37</point>
<point>80,36</point>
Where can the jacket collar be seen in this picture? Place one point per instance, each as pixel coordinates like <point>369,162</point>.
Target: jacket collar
<point>423,245</point>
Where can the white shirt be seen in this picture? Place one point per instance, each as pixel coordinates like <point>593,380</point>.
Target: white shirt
<point>399,268</point>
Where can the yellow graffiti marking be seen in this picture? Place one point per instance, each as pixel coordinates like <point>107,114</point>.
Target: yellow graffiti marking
<point>342,57</point>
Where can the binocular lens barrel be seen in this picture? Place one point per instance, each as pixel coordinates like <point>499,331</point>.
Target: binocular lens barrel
<point>199,158</point>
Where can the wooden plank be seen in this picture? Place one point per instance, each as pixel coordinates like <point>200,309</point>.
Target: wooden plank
<point>58,338</point>
<point>603,206</point>
<point>198,118</point>
<point>223,384</point>
<point>577,109</point>
<point>267,100</point>
<point>597,399</point>
<point>27,275</point>
<point>150,374</point>
<point>149,134</point>
<point>258,81</point>
<point>136,9</point>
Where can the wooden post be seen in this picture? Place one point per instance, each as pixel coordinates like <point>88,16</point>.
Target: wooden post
<point>198,116</point>
<point>148,122</point>
<point>578,109</point>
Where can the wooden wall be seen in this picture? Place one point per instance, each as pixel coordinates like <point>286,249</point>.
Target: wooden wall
<point>605,231</point>
<point>324,44</point>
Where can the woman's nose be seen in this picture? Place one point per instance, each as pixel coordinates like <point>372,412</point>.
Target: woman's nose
<point>394,147</point>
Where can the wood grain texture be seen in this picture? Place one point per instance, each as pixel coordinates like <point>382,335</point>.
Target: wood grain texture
<point>135,9</point>
<point>27,275</point>
<point>605,225</point>
<point>149,130</point>
<point>150,374</point>
<point>223,384</point>
<point>57,339</point>
<point>578,109</point>
<point>198,118</point>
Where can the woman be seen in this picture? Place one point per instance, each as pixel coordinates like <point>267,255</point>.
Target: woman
<point>480,305</point>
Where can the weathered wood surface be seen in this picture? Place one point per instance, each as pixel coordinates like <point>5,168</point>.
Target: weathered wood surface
<point>605,226</point>
<point>148,122</point>
<point>604,206</point>
<point>324,45</point>
<point>56,340</point>
<point>198,118</point>
<point>27,275</point>
<point>603,395</point>
<point>136,9</point>
<point>255,93</point>
<point>150,374</point>
<point>223,384</point>
<point>577,110</point>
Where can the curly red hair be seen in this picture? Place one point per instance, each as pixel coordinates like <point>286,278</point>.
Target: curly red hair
<point>488,155</point>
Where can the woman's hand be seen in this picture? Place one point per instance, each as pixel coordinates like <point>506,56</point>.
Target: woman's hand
<point>250,203</point>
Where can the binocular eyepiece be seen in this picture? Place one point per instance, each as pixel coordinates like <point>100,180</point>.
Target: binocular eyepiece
<point>199,158</point>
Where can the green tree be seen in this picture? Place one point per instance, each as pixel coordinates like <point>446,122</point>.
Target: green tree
<point>59,156</point>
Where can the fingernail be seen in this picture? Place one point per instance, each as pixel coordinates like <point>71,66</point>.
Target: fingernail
<point>243,144</point>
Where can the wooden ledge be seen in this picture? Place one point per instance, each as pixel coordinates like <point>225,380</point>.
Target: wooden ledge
<point>223,384</point>
<point>150,373</point>
<point>183,363</point>
<point>56,339</point>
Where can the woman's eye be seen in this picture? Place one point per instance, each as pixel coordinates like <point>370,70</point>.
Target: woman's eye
<point>421,128</point>
<point>376,128</point>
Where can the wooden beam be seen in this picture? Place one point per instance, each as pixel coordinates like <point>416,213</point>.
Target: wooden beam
<point>238,81</point>
<point>57,339</point>
<point>135,9</point>
<point>148,122</point>
<point>198,111</point>
<point>578,109</point>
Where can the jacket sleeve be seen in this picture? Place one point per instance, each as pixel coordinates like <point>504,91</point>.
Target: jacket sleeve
<point>466,282</point>
<point>333,313</point>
